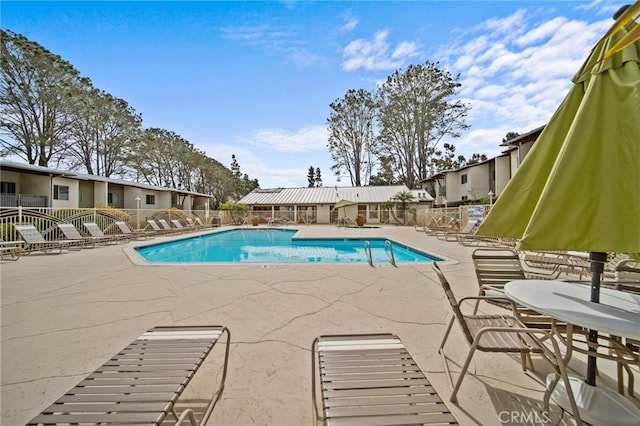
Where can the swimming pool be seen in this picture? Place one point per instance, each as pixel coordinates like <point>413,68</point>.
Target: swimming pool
<point>273,246</point>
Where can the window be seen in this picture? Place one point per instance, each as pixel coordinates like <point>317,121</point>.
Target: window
<point>7,187</point>
<point>373,211</point>
<point>113,198</point>
<point>463,179</point>
<point>60,192</point>
<point>150,199</point>
<point>465,198</point>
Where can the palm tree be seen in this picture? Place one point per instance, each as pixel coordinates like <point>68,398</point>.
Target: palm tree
<point>403,198</point>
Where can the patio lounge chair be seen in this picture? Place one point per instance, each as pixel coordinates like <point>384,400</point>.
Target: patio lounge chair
<point>138,234</point>
<point>192,225</point>
<point>142,382</point>
<point>165,225</point>
<point>10,250</point>
<point>436,227</point>
<point>627,275</point>
<point>34,241</point>
<point>371,379</point>
<point>157,229</point>
<point>501,333</point>
<point>554,263</point>
<point>71,233</point>
<point>180,227</point>
<point>467,229</point>
<point>347,222</point>
<point>94,230</point>
<point>215,223</point>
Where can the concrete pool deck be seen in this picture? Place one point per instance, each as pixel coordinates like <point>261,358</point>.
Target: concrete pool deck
<point>63,316</point>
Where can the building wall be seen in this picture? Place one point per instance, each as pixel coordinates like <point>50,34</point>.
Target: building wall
<point>11,177</point>
<point>479,181</point>
<point>503,173</point>
<point>86,198</point>
<point>35,185</point>
<point>100,192</point>
<point>324,213</point>
<point>74,193</point>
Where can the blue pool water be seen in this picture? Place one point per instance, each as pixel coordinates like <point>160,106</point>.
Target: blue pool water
<point>274,245</point>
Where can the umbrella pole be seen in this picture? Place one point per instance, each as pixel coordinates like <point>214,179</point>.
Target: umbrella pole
<point>596,265</point>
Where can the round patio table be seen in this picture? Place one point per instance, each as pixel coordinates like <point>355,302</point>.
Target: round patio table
<point>618,314</point>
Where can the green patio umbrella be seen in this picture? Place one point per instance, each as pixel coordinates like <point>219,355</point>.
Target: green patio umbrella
<point>344,203</point>
<point>579,186</point>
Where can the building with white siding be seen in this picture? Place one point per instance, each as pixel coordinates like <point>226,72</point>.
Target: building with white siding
<point>316,205</point>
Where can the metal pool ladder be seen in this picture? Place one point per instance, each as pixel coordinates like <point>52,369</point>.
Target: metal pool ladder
<point>388,248</point>
<point>367,251</point>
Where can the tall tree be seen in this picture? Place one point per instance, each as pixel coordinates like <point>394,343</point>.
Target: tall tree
<point>164,158</point>
<point>418,109</point>
<point>318,177</point>
<point>445,159</point>
<point>103,135</point>
<point>351,136</point>
<point>509,136</point>
<point>37,94</point>
<point>476,158</point>
<point>311,177</point>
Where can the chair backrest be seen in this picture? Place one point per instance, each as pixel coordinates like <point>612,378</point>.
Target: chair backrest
<point>469,226</point>
<point>190,222</point>
<point>93,229</point>
<point>164,224</point>
<point>154,225</point>
<point>199,221</point>
<point>123,228</point>
<point>453,302</point>
<point>70,232</point>
<point>30,234</point>
<point>177,223</point>
<point>496,267</point>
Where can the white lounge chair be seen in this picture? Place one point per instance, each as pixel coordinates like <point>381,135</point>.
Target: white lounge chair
<point>156,228</point>
<point>142,382</point>
<point>165,225</point>
<point>71,233</point>
<point>138,234</point>
<point>10,250</point>
<point>34,241</point>
<point>95,231</point>
<point>371,379</point>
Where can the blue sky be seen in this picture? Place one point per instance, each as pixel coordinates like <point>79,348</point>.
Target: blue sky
<point>255,79</point>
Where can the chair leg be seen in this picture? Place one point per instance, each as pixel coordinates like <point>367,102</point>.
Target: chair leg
<point>446,334</point>
<point>561,373</point>
<point>463,371</point>
<point>444,356</point>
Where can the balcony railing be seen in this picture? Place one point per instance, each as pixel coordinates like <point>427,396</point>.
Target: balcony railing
<point>24,200</point>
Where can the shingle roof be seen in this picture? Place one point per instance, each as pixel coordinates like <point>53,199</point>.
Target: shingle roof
<point>321,195</point>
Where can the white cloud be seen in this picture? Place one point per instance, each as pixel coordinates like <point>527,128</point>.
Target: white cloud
<point>310,138</point>
<point>544,31</point>
<point>376,53</point>
<point>515,71</point>
<point>350,24</point>
<point>274,40</point>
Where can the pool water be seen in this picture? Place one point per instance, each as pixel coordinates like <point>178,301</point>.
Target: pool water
<point>275,245</point>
